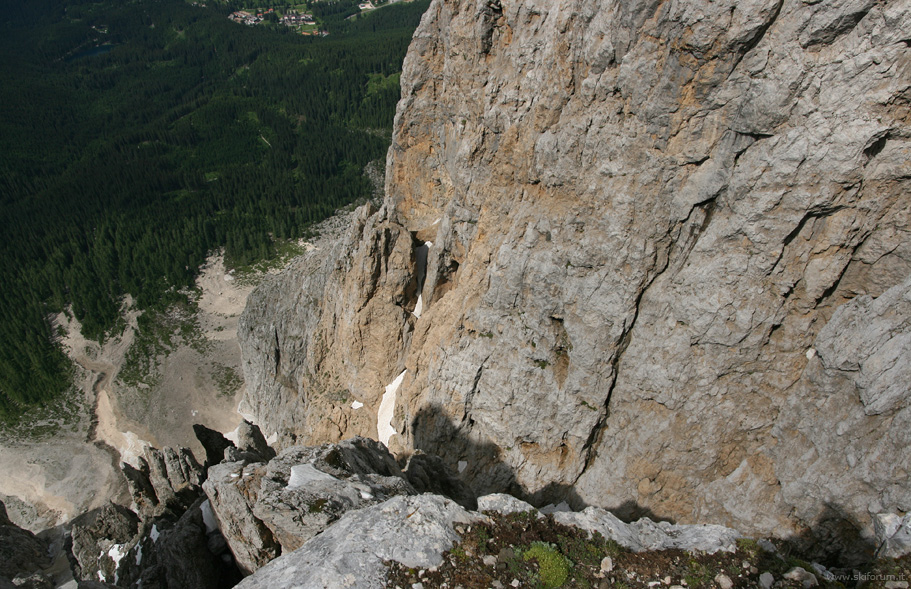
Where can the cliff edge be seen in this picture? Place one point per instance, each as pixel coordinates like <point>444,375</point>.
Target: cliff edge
<point>653,257</point>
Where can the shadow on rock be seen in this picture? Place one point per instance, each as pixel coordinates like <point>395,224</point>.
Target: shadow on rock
<point>834,538</point>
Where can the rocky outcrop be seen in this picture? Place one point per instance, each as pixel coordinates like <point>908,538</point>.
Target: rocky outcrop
<point>166,481</point>
<point>213,442</point>
<point>644,534</point>
<point>415,531</point>
<point>171,541</point>
<point>893,535</point>
<point>100,541</point>
<point>21,552</point>
<point>667,259</point>
<point>188,553</point>
<point>267,509</point>
<point>427,473</point>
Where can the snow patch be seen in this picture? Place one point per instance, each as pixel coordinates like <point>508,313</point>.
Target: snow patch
<point>303,474</point>
<point>810,353</point>
<point>437,221</point>
<point>419,307</point>
<point>208,517</point>
<point>117,553</point>
<point>357,405</point>
<point>138,554</point>
<point>384,416</point>
<point>154,533</point>
<point>232,435</point>
<point>272,439</point>
<point>462,466</point>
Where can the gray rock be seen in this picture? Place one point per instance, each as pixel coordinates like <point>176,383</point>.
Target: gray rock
<point>766,580</point>
<point>266,509</point>
<point>723,581</point>
<point>504,504</point>
<point>166,481</point>
<point>870,341</point>
<point>802,576</point>
<point>250,439</point>
<point>822,571</point>
<point>250,540</point>
<point>428,473</point>
<point>647,535</point>
<point>101,540</point>
<point>643,216</point>
<point>893,535</point>
<point>184,558</point>
<point>415,531</point>
<point>34,581</point>
<point>21,552</point>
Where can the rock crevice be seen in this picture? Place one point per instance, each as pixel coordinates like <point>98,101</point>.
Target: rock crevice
<point>703,195</point>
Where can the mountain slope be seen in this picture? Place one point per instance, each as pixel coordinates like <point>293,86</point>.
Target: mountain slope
<point>667,273</point>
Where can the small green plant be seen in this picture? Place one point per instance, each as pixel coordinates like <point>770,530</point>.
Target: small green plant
<point>318,506</point>
<point>579,550</point>
<point>553,567</point>
<point>459,553</point>
<point>748,546</point>
<point>542,364</point>
<point>699,575</point>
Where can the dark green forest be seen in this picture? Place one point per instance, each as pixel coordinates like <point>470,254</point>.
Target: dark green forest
<point>138,137</point>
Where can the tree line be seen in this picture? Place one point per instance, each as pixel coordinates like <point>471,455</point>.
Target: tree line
<point>140,137</point>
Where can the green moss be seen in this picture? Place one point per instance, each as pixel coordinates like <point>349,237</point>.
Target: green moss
<point>553,567</point>
<point>699,575</point>
<point>459,553</point>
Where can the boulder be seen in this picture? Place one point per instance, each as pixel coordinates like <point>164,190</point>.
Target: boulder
<point>266,509</point>
<point>645,534</point>
<point>893,535</point>
<point>101,538</point>
<point>413,530</point>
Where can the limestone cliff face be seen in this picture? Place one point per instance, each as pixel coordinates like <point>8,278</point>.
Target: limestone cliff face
<point>670,263</point>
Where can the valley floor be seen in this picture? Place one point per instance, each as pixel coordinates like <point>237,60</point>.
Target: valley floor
<point>48,479</point>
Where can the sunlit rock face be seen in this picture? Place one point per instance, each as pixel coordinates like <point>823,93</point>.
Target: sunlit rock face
<point>669,264</point>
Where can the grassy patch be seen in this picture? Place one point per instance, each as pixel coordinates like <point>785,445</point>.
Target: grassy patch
<point>227,379</point>
<point>553,567</point>
<point>158,333</point>
<point>530,551</point>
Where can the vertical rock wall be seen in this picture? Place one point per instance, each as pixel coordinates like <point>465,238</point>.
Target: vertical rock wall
<point>669,269</point>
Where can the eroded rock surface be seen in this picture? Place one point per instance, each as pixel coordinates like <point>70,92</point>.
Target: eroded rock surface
<point>415,531</point>
<point>166,481</point>
<point>268,509</point>
<point>667,249</point>
<point>21,552</point>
